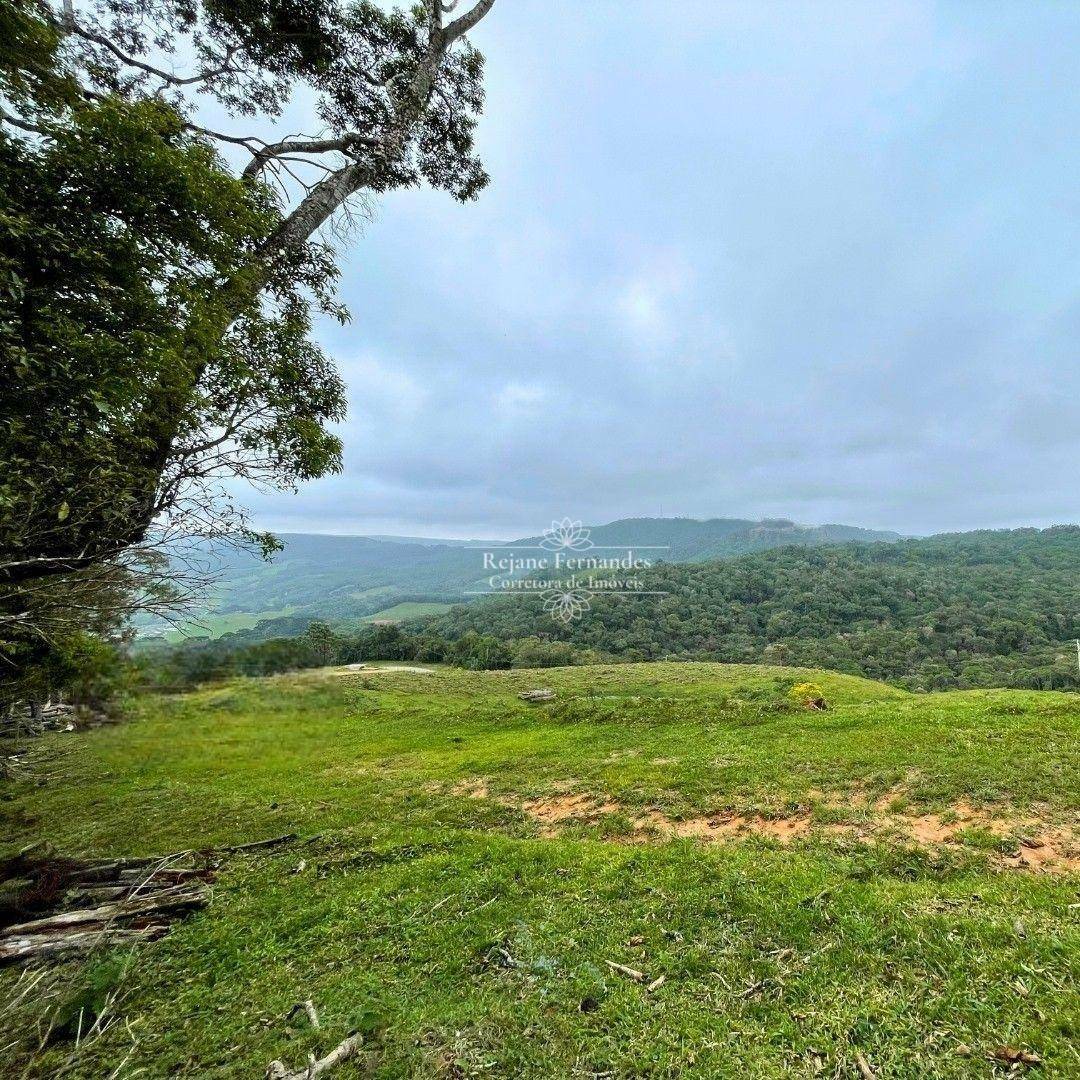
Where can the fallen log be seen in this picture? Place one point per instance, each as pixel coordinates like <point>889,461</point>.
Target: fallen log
<point>173,900</point>
<point>64,906</point>
<point>72,906</point>
<point>66,943</point>
<point>113,869</point>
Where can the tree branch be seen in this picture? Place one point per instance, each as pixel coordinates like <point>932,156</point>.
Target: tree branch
<point>343,143</point>
<point>24,125</point>
<point>71,26</point>
<point>464,23</point>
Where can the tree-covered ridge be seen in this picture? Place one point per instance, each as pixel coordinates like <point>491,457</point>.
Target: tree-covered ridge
<point>989,608</point>
<point>345,578</point>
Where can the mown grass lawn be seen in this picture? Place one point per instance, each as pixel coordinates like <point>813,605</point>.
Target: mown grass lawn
<point>465,944</point>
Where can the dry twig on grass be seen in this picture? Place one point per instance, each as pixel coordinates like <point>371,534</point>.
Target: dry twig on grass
<point>864,1067</point>
<point>345,1050</point>
<point>308,1008</point>
<point>637,976</point>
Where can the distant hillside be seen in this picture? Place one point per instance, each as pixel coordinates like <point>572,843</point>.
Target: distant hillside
<point>346,579</point>
<point>967,609</point>
<point>339,577</point>
<point>432,541</point>
<point>694,540</point>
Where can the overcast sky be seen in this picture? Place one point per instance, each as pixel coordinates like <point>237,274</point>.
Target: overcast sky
<point>759,259</point>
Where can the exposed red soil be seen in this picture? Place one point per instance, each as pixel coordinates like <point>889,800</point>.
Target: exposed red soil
<point>1042,846</point>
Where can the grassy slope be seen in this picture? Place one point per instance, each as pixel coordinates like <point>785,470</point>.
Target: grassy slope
<point>214,625</point>
<point>903,955</point>
<point>408,610</point>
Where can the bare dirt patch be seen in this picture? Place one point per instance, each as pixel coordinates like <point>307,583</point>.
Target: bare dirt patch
<point>559,809</point>
<point>1024,843</point>
<point>472,789</point>
<point>723,827</point>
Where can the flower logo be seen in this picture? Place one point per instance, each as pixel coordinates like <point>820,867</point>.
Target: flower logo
<point>566,606</point>
<point>566,535</point>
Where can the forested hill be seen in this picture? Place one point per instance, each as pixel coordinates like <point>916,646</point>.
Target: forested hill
<point>970,609</point>
<point>343,578</point>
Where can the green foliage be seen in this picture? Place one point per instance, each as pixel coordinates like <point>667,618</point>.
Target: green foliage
<point>133,375</point>
<point>185,665</point>
<point>345,55</point>
<point>321,642</point>
<point>345,578</point>
<point>29,72</point>
<point>537,653</point>
<point>964,610</point>
<point>91,671</point>
<point>806,693</point>
<point>109,228</point>
<point>922,613</point>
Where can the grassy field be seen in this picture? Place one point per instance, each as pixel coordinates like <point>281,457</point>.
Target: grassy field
<point>411,609</point>
<point>217,625</point>
<point>889,884</point>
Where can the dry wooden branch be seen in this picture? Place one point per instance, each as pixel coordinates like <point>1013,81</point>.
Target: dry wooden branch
<point>277,1070</point>
<point>308,1008</point>
<point>111,901</point>
<point>172,900</point>
<point>62,943</point>
<point>288,838</point>
<point>864,1067</point>
<point>637,976</point>
<point>94,904</point>
<point>113,870</point>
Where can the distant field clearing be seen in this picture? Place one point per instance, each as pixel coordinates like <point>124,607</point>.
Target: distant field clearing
<point>401,612</point>
<point>215,626</point>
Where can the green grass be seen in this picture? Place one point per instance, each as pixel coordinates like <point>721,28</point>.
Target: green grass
<point>408,610</point>
<point>469,946</point>
<point>215,626</point>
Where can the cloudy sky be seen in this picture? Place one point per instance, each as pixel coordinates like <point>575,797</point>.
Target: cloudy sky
<point>737,259</point>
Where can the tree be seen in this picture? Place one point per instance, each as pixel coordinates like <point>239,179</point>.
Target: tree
<point>322,642</point>
<point>157,300</point>
<point>397,96</point>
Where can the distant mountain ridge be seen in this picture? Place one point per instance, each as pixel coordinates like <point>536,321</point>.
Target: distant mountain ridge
<point>699,539</point>
<point>349,578</point>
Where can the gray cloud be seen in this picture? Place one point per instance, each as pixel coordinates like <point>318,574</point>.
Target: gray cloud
<point>754,260</point>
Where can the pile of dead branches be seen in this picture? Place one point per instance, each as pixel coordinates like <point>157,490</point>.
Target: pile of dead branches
<point>20,719</point>
<point>56,907</point>
<point>75,905</point>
